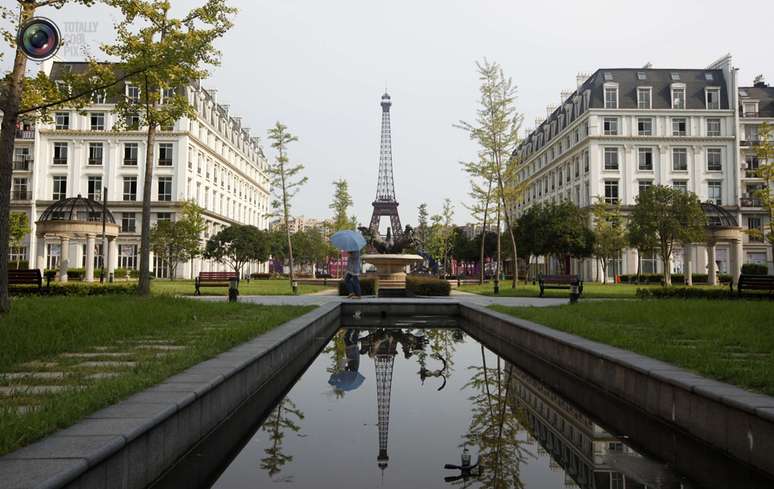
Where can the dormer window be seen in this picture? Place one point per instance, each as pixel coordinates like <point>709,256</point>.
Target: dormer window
<point>712,98</point>
<point>644,99</point>
<point>678,96</point>
<point>641,75</point>
<point>611,96</point>
<point>750,109</point>
<point>709,77</point>
<point>675,76</point>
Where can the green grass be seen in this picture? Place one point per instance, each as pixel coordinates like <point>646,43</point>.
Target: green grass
<point>731,341</point>
<point>42,330</point>
<point>591,290</point>
<point>253,287</point>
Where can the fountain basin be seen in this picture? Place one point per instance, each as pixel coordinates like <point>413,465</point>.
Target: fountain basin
<point>391,271</point>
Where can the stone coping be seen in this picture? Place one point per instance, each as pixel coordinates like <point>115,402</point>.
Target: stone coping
<point>68,454</point>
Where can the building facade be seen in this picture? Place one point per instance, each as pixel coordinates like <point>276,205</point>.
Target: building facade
<point>209,159</point>
<point>623,130</point>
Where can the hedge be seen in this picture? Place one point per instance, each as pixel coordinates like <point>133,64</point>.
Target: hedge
<point>685,293</point>
<point>426,286</point>
<point>75,289</point>
<point>260,276</point>
<point>657,278</point>
<point>755,269</point>
<point>368,286</point>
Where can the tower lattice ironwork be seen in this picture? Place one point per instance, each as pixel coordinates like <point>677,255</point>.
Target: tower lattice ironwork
<point>386,204</point>
<point>384,365</point>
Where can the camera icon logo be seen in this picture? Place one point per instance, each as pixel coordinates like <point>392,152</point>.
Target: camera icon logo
<point>39,39</point>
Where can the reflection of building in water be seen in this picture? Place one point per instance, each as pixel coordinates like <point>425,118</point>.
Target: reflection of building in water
<point>590,457</point>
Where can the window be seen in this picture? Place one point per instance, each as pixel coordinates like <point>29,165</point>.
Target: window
<point>753,164</point>
<point>678,97</point>
<point>712,98</point>
<point>611,126</point>
<point>679,159</point>
<point>133,121</point>
<point>679,127</point>
<point>62,120</point>
<point>133,93</point>
<point>644,98</point>
<point>17,253</point>
<point>611,97</point>
<point>709,77</point>
<point>95,153</point>
<point>714,192</point>
<point>128,222</point>
<point>754,224</point>
<point>60,187</point>
<point>750,109</point>
<point>675,76</point>
<point>644,185</point>
<point>585,162</point>
<point>130,154</point>
<point>611,191</point>
<point>20,189</point>
<point>99,97</point>
<point>641,75</point>
<point>713,127</point>
<point>611,158</point>
<point>163,216</point>
<point>751,133</point>
<point>127,256</point>
<point>97,121</point>
<point>714,159</point>
<point>681,185</point>
<point>54,251</point>
<point>94,188</point>
<point>165,188</point>
<point>165,154</point>
<point>645,159</point>
<point>60,153</point>
<point>130,188</point>
<point>645,126</point>
<point>608,76</point>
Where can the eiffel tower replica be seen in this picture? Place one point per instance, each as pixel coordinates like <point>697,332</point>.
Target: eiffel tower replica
<point>386,205</point>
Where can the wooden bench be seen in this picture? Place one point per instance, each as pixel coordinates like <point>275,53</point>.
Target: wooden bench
<point>213,279</point>
<point>559,282</point>
<point>26,277</point>
<point>755,282</point>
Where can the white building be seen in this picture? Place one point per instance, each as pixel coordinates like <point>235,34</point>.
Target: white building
<point>622,130</point>
<point>210,159</point>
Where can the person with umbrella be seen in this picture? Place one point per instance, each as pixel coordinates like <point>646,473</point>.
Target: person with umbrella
<point>352,242</point>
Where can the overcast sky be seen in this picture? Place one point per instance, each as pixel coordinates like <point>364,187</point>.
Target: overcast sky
<point>321,67</point>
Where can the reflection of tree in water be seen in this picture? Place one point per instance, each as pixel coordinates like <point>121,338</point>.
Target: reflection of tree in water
<point>284,417</point>
<point>336,350</point>
<point>494,427</point>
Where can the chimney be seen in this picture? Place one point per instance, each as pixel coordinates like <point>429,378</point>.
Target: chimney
<point>213,95</point>
<point>225,108</point>
<point>647,66</point>
<point>581,78</point>
<point>538,121</point>
<point>564,95</point>
<point>550,110</point>
<point>237,121</point>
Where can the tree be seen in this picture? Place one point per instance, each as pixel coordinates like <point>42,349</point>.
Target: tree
<point>668,216</point>
<point>609,232</point>
<point>173,52</point>
<point>340,205</point>
<point>481,178</point>
<point>765,153</point>
<point>180,240</point>
<point>19,227</point>
<point>311,247</point>
<point>237,246</point>
<point>285,181</point>
<point>423,227</point>
<point>496,132</point>
<point>640,239</point>
<point>441,231</point>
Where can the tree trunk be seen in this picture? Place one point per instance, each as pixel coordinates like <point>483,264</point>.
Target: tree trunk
<point>483,232</point>
<point>498,265</point>
<point>501,186</point>
<point>604,271</point>
<point>286,215</point>
<point>639,266</point>
<point>10,107</point>
<point>667,271</point>
<point>143,287</point>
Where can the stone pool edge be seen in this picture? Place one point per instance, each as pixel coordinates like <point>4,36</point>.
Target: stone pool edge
<point>129,444</point>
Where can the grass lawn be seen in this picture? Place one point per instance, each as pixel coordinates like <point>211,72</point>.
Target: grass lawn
<point>731,341</point>
<point>253,287</point>
<point>63,358</point>
<point>591,290</point>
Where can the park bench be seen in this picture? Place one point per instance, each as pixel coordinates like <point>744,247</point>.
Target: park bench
<point>755,282</point>
<point>26,277</point>
<point>559,282</point>
<point>213,279</point>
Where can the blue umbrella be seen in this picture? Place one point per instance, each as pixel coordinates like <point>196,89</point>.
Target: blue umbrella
<point>348,240</point>
<point>346,380</point>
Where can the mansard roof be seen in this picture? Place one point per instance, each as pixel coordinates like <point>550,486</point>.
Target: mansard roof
<point>763,94</point>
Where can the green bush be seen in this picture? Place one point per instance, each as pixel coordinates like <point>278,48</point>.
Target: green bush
<point>685,293</point>
<point>260,276</point>
<point>76,274</point>
<point>755,269</point>
<point>76,289</point>
<point>427,286</point>
<point>677,278</point>
<point>120,273</point>
<point>368,286</point>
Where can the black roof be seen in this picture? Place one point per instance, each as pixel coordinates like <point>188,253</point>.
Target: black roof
<point>763,94</point>
<point>78,208</point>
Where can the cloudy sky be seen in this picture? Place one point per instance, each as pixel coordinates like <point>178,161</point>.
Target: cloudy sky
<point>321,66</point>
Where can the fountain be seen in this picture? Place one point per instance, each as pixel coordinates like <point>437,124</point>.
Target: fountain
<point>391,272</point>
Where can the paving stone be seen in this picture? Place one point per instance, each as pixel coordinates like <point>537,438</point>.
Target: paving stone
<point>162,347</point>
<point>33,375</point>
<point>96,355</point>
<point>37,364</point>
<point>107,363</point>
<point>102,375</point>
<point>36,389</point>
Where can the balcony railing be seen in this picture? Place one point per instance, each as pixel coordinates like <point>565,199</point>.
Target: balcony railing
<point>165,162</point>
<point>750,202</point>
<point>130,161</point>
<point>750,114</point>
<point>751,173</point>
<point>25,134</point>
<point>95,161</point>
<point>750,142</point>
<point>60,161</point>
<point>22,165</point>
<point>21,195</point>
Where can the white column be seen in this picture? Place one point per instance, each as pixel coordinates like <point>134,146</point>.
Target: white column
<point>712,271</point>
<point>64,258</point>
<point>688,264</point>
<point>41,253</point>
<point>90,244</point>
<point>112,256</point>
<point>737,258</point>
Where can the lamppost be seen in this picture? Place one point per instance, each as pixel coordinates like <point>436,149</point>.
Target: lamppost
<point>104,238</point>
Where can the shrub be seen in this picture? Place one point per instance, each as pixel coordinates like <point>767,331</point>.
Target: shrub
<point>685,293</point>
<point>755,269</point>
<point>120,273</point>
<point>426,286</point>
<point>677,278</point>
<point>76,274</point>
<point>76,289</point>
<point>260,276</point>
<point>368,286</point>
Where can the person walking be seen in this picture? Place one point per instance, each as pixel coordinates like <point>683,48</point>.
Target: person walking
<point>352,279</point>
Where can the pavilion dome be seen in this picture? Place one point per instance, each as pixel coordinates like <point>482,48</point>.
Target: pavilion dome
<point>718,216</point>
<point>77,209</point>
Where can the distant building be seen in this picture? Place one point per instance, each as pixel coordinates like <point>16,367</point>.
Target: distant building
<point>301,223</point>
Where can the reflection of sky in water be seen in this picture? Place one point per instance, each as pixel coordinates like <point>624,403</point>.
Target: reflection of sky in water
<point>337,441</point>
